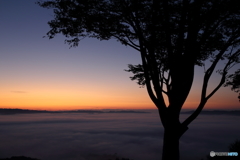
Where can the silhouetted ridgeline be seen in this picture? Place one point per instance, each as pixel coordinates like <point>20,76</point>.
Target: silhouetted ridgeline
<point>26,111</point>
<point>28,158</point>
<point>217,112</point>
<point>20,111</point>
<point>20,158</point>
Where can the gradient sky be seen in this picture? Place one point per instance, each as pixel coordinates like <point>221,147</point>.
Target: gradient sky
<point>38,73</point>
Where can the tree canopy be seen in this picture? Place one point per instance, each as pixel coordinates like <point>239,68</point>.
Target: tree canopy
<point>234,81</point>
<point>172,36</point>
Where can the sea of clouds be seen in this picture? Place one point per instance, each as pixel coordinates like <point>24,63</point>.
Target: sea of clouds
<point>95,136</point>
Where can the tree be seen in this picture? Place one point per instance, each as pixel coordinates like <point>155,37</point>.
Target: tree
<point>172,37</point>
<point>234,81</point>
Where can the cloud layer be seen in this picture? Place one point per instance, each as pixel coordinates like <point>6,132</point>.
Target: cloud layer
<point>18,91</point>
<point>84,136</point>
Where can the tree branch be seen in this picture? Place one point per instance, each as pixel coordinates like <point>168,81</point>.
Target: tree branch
<point>125,42</point>
<point>207,76</point>
<point>146,75</point>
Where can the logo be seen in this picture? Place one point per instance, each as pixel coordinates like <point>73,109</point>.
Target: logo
<point>212,153</point>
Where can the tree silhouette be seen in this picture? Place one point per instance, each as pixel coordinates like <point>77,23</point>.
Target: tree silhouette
<point>172,37</point>
<point>234,81</point>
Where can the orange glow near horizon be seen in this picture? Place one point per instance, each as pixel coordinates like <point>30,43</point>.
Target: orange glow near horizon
<point>53,100</point>
<point>54,94</point>
<point>93,100</point>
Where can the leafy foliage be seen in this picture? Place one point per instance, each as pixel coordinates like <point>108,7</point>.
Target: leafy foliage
<point>234,81</point>
<point>138,72</point>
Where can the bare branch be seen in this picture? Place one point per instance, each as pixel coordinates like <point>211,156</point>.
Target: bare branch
<point>207,76</point>
<point>134,44</point>
<point>125,42</point>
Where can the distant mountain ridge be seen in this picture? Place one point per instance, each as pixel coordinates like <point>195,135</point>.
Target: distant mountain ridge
<point>19,111</point>
<point>19,158</point>
<point>217,112</point>
<point>7,111</point>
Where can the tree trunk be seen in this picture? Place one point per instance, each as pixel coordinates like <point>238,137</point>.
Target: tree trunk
<point>171,143</point>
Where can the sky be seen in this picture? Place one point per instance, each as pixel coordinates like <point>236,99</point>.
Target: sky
<point>38,73</point>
